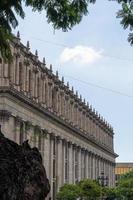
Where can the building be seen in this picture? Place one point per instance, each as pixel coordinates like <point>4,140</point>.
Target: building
<point>121,169</point>
<point>75,141</point>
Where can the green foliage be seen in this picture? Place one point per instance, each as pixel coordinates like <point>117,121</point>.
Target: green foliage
<point>125,186</point>
<point>68,192</point>
<point>7,22</point>
<point>110,193</point>
<point>62,14</point>
<point>89,189</point>
<point>86,189</point>
<point>128,175</point>
<point>126,15</point>
<point>5,50</point>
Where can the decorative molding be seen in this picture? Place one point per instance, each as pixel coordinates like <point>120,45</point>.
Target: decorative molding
<point>74,145</point>
<point>19,95</point>
<point>18,120</point>
<point>37,129</point>
<point>28,125</point>
<point>45,132</point>
<point>35,69</point>
<point>52,136</point>
<point>69,144</point>
<point>58,138</point>
<point>4,115</point>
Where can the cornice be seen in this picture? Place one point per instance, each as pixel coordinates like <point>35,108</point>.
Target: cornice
<point>4,115</point>
<point>13,92</point>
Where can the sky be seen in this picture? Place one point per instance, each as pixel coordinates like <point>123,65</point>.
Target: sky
<point>96,59</point>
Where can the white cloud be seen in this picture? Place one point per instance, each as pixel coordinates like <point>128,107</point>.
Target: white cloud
<point>80,55</point>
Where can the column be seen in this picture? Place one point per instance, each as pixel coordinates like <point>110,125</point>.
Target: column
<point>79,167</point>
<point>18,131</point>
<point>82,163</point>
<point>73,162</point>
<point>47,93</point>
<point>63,161</point>
<point>33,84</point>
<point>51,166</point>
<point>6,74</point>
<point>17,71</point>
<point>50,94</point>
<point>40,90</point>
<point>59,162</point>
<point>85,123</point>
<point>86,165</point>
<point>94,167</point>
<point>1,72</point>
<point>36,86</point>
<point>58,102</point>
<point>71,111</point>
<point>7,124</point>
<point>11,73</point>
<point>43,90</point>
<point>70,149</point>
<point>100,166</point>
<point>62,103</point>
<point>89,165</point>
<point>27,80</point>
<point>47,156</point>
<point>113,174</point>
<point>109,175</point>
<point>29,132</point>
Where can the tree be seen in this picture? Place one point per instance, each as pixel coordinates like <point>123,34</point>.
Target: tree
<point>68,192</point>
<point>125,186</point>
<point>110,193</point>
<point>63,14</point>
<point>126,13</point>
<point>89,189</point>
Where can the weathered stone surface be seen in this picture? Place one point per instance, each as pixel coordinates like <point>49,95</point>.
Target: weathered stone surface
<point>22,174</point>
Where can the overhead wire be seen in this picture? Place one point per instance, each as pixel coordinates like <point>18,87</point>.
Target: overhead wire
<point>86,82</point>
<point>99,86</point>
<point>65,45</point>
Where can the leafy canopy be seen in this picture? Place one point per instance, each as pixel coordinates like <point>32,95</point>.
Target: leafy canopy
<point>125,186</point>
<point>89,189</point>
<point>63,14</point>
<point>68,192</point>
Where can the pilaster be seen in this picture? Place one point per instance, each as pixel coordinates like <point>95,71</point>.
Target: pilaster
<point>59,163</point>
<point>70,149</point>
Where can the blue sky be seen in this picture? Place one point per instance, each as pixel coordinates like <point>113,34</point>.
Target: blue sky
<point>95,52</point>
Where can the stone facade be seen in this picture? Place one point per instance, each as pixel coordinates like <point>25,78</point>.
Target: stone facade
<point>75,141</point>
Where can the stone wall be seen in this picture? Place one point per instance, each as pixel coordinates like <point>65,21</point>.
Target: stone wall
<point>75,141</point>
